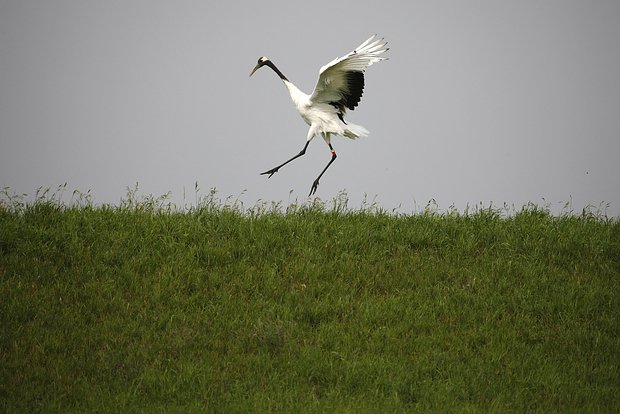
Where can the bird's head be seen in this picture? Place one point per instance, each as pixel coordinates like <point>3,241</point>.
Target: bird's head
<point>262,61</point>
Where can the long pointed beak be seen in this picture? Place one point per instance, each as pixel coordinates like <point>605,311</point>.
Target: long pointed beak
<point>257,67</point>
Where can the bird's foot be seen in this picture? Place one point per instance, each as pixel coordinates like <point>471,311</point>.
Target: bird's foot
<point>315,185</point>
<point>270,172</point>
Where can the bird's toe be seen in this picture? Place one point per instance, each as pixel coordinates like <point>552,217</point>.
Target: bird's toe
<point>270,172</point>
<point>315,185</point>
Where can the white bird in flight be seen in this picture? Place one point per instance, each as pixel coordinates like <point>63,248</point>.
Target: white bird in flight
<point>339,87</point>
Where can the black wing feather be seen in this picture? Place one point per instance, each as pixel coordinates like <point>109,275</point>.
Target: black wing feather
<point>355,88</point>
<point>352,96</point>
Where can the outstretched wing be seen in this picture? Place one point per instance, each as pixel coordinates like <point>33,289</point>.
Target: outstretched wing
<point>341,81</point>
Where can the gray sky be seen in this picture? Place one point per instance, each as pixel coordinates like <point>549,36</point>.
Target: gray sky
<point>481,101</point>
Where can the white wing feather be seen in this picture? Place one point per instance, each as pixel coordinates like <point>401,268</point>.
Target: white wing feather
<point>341,81</point>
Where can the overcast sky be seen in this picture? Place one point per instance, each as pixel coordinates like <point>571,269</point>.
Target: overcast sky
<point>481,101</point>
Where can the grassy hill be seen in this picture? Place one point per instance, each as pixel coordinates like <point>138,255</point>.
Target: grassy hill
<point>138,308</point>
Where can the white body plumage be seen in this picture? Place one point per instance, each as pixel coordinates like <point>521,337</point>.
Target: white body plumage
<point>322,117</point>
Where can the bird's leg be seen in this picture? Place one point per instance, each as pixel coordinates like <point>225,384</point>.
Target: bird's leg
<point>275,169</point>
<point>315,184</point>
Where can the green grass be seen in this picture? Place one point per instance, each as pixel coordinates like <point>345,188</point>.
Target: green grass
<point>142,308</point>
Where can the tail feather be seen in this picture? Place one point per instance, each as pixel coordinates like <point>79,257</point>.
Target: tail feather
<point>355,131</point>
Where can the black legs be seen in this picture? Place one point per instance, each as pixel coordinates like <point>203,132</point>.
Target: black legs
<point>275,169</point>
<point>315,184</point>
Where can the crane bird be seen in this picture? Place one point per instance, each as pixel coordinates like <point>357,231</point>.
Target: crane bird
<point>339,87</point>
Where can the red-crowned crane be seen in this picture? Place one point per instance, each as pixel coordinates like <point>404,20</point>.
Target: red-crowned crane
<point>340,87</point>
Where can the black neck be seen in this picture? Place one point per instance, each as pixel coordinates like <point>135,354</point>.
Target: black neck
<point>276,70</point>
